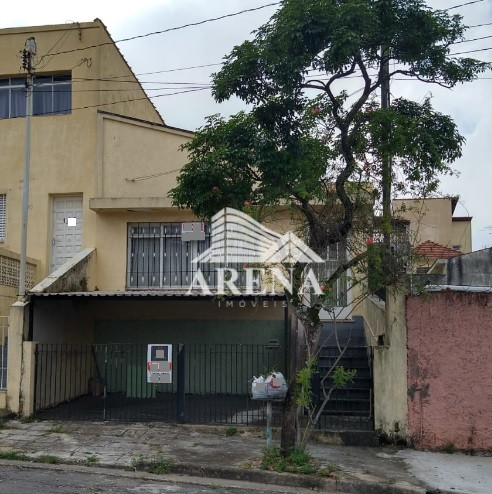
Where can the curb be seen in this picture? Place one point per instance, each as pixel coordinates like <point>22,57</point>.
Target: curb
<point>339,483</point>
<point>209,475</point>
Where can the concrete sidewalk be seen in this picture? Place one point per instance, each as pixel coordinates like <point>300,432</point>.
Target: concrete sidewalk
<point>209,452</point>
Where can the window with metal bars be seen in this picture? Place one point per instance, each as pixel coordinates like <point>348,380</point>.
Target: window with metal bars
<point>159,258</point>
<point>3,216</point>
<point>336,255</point>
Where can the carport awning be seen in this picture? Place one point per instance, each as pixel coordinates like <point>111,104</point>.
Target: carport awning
<point>156,294</point>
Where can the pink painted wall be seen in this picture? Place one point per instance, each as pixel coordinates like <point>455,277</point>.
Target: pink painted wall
<point>449,338</point>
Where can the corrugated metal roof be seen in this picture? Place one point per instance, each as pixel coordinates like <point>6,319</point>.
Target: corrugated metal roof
<point>175,294</point>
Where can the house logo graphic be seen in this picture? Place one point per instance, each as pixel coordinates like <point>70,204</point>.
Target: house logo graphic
<point>238,238</point>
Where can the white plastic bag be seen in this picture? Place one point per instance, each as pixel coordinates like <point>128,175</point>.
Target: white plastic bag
<point>273,387</point>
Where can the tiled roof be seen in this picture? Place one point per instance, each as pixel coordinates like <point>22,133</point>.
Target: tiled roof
<point>436,251</point>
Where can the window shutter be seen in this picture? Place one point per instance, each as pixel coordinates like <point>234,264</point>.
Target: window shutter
<point>3,216</point>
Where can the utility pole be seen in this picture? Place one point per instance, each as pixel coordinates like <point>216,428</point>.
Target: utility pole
<point>386,173</point>
<point>28,64</point>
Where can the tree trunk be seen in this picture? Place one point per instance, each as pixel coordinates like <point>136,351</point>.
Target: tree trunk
<point>308,345</point>
<point>288,436</point>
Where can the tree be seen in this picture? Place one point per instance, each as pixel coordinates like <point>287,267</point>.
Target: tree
<point>309,144</point>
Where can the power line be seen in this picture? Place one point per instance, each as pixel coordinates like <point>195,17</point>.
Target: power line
<point>96,79</point>
<point>461,5</point>
<point>177,28</point>
<point>473,39</point>
<point>61,41</point>
<point>126,101</point>
<point>470,51</point>
<point>180,68</point>
<point>480,25</point>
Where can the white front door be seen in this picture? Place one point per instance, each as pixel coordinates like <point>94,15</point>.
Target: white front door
<point>66,230</point>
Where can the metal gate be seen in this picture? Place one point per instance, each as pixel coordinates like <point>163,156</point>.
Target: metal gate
<point>210,383</point>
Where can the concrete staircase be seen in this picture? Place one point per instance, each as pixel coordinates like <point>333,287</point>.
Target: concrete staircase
<point>349,408</point>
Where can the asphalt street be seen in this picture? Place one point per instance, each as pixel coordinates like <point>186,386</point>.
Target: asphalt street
<point>25,480</point>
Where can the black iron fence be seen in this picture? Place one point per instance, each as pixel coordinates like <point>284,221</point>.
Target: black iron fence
<point>210,383</point>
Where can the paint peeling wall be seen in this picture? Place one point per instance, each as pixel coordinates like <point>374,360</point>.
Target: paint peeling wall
<point>450,370</point>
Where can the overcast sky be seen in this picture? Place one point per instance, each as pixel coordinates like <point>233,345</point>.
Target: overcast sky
<point>470,104</point>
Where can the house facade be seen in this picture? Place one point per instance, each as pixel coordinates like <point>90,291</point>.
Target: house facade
<point>110,263</point>
<point>107,261</point>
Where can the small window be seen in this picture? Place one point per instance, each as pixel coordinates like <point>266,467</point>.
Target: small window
<point>52,96</point>
<point>3,216</point>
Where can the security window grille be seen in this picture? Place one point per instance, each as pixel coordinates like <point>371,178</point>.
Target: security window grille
<point>52,96</point>
<point>159,258</point>
<point>336,254</point>
<point>3,216</point>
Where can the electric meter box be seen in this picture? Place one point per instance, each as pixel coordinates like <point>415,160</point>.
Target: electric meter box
<point>160,363</point>
<point>192,231</point>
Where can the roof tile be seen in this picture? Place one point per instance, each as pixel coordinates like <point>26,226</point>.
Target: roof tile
<point>436,251</point>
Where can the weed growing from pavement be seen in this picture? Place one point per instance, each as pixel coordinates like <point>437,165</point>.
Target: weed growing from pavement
<point>449,448</point>
<point>3,424</point>
<point>57,429</point>
<point>297,462</point>
<point>327,470</point>
<point>13,455</point>
<point>50,459</point>
<point>157,467</point>
<point>137,462</point>
<point>231,431</point>
<point>92,460</point>
<point>216,486</point>
<point>160,467</point>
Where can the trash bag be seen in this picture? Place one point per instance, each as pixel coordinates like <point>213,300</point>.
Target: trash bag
<point>272,387</point>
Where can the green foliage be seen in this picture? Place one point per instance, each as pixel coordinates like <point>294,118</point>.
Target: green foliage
<point>232,431</point>
<point>302,133</point>
<point>449,448</point>
<point>305,396</point>
<point>57,429</point>
<point>328,470</point>
<point>296,462</point>
<point>160,467</point>
<point>341,376</point>
<point>49,459</point>
<point>13,455</point>
<point>92,460</point>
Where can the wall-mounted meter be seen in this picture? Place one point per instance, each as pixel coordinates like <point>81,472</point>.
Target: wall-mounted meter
<point>159,363</point>
<point>192,231</point>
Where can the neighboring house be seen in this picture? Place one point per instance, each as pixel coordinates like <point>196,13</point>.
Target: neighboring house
<point>431,219</point>
<point>429,258</point>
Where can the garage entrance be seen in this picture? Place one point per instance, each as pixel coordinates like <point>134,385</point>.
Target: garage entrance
<point>210,383</point>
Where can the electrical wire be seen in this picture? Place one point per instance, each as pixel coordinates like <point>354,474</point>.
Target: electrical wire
<point>479,25</point>
<point>128,100</point>
<point>470,51</point>
<point>65,35</point>
<point>177,28</point>
<point>473,39</point>
<point>461,5</point>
